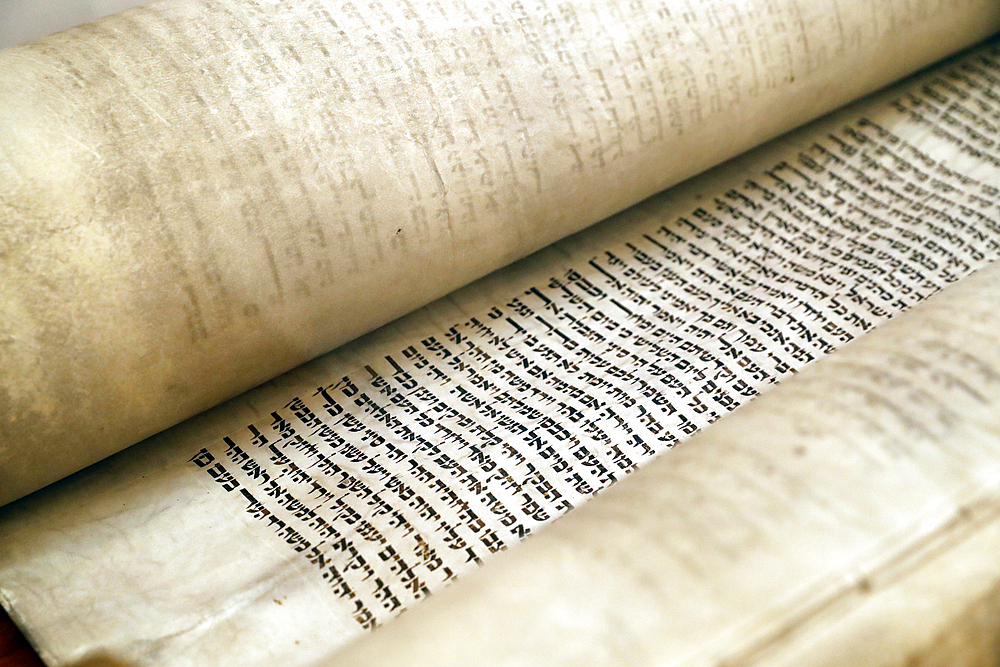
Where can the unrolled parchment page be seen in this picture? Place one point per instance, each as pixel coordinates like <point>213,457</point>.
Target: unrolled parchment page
<point>199,195</point>
<point>849,518</point>
<point>329,500</point>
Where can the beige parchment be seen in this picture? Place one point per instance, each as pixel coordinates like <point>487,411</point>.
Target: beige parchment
<point>197,196</point>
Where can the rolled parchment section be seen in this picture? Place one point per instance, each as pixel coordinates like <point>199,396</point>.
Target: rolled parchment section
<point>196,196</point>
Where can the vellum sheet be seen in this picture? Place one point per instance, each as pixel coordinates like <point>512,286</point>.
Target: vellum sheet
<point>200,195</point>
<point>323,503</point>
<point>849,518</point>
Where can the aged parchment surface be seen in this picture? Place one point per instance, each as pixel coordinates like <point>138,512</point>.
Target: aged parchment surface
<point>297,516</point>
<point>196,196</point>
<point>850,517</point>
